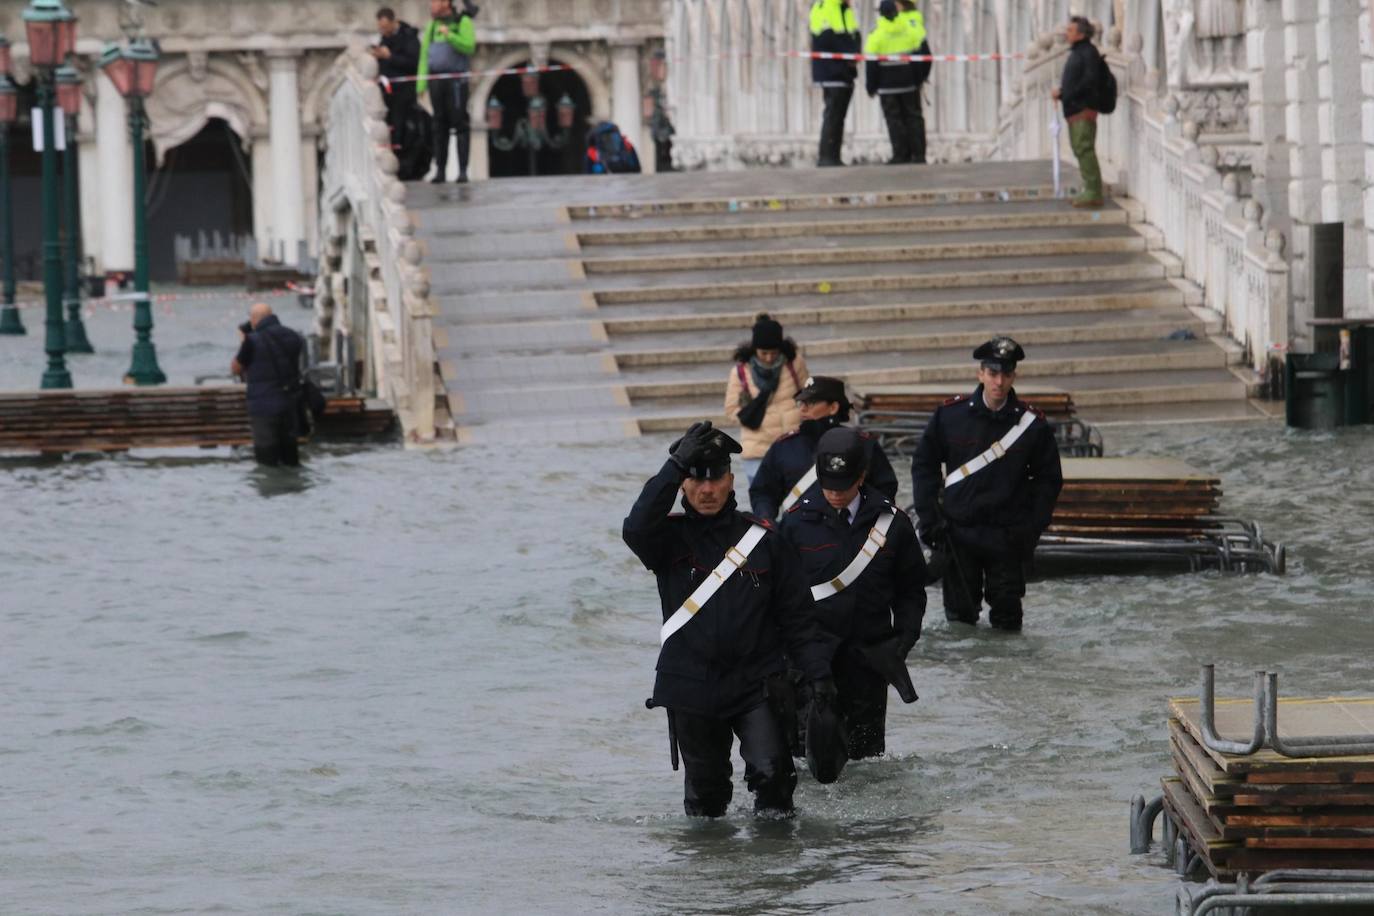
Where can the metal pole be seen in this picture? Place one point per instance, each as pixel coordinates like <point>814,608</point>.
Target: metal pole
<point>77,342</point>
<point>9,314</point>
<point>55,340</point>
<point>143,370</point>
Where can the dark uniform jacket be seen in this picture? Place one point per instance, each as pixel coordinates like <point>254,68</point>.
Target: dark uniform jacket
<point>1007,505</point>
<point>889,597</point>
<point>834,30</point>
<point>404,45</point>
<point>1080,86</point>
<point>716,664</point>
<point>271,357</point>
<point>790,457</point>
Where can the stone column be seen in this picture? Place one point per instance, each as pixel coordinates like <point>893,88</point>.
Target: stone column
<point>310,184</point>
<point>284,119</point>
<point>116,181</point>
<point>627,99</point>
<point>264,218</point>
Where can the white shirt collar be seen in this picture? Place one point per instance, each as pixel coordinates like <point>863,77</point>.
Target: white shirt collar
<point>854,506</point>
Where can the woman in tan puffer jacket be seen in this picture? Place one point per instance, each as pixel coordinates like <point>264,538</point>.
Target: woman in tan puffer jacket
<point>766,377</point>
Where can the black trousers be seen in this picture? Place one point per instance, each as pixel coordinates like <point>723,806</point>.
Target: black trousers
<point>450,101</point>
<point>906,125</point>
<point>863,704</point>
<point>274,439</point>
<point>973,575</point>
<point>704,743</point>
<point>832,123</point>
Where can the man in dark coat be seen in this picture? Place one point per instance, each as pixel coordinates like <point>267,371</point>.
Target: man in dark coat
<point>733,601</point>
<point>785,472</point>
<point>270,360</point>
<point>868,578</point>
<point>1080,90</point>
<point>986,476</point>
<point>398,55</point>
<point>834,30</point>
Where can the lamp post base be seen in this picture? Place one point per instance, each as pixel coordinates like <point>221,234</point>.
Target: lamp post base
<point>9,321</point>
<point>56,378</point>
<point>77,341</point>
<point>144,370</point>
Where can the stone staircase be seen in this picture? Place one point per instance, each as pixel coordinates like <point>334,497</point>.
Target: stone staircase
<point>584,307</point>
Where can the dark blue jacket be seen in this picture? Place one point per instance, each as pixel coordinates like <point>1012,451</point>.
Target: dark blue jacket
<point>1005,507</point>
<point>271,358</point>
<point>1081,85</point>
<point>717,663</point>
<point>889,597</point>
<point>790,457</point>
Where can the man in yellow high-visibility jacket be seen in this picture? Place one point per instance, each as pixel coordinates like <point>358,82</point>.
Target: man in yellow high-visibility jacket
<point>833,30</point>
<point>894,81</point>
<point>921,69</point>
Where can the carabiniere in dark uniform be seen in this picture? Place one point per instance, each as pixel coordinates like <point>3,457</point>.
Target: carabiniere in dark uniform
<point>718,670</point>
<point>874,620</point>
<point>825,406</point>
<point>984,517</point>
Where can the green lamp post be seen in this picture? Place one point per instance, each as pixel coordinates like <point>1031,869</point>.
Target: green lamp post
<point>51,29</point>
<point>10,322</point>
<point>132,69</point>
<point>69,100</point>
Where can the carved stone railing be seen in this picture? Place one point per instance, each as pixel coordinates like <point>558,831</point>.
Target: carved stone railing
<point>1218,236</point>
<point>371,270</point>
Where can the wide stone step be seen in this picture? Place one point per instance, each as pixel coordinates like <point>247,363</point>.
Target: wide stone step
<point>864,249</point>
<point>845,278</point>
<point>716,346</point>
<point>920,366</point>
<point>752,225</point>
<point>891,305</point>
<point>1099,397</point>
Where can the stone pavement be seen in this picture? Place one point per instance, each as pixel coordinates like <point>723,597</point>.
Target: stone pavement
<point>581,307</point>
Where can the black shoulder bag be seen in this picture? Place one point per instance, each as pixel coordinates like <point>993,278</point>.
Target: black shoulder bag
<point>307,393</point>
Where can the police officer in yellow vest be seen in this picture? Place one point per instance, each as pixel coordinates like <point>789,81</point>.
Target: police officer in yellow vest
<point>894,81</point>
<point>833,30</point>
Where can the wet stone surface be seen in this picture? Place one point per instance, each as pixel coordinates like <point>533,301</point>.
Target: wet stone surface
<point>407,682</point>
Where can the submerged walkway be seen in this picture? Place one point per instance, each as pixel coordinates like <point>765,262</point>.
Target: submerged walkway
<point>583,307</point>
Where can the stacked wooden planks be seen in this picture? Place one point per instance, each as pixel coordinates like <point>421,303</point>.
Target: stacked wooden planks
<point>1265,811</point>
<point>1135,497</point>
<point>57,422</point>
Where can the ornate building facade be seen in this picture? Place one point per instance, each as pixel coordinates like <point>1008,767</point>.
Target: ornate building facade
<point>253,78</point>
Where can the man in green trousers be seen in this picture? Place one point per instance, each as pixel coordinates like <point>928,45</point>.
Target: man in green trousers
<point>1080,91</point>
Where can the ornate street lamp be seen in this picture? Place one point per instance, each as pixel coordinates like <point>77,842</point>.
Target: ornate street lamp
<point>51,29</point>
<point>660,127</point>
<point>133,69</point>
<point>9,114</point>
<point>532,131</point>
<point>69,100</point>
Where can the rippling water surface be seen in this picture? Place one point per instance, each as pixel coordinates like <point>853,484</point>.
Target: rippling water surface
<point>403,682</point>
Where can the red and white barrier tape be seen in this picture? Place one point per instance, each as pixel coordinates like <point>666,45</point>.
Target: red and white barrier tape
<point>388,81</point>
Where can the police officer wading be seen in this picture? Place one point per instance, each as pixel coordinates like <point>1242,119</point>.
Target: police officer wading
<point>986,476</point>
<point>788,468</point>
<point>868,578</point>
<point>734,600</point>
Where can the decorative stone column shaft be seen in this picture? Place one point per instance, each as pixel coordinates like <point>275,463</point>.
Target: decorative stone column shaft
<point>116,181</point>
<point>284,119</point>
<point>627,97</point>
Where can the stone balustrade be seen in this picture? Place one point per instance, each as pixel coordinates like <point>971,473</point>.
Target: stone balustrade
<point>374,291</point>
<point>1219,237</point>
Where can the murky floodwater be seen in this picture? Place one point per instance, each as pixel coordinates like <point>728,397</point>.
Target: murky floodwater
<point>413,683</point>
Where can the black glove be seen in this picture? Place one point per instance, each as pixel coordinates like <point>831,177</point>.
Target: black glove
<point>823,690</point>
<point>685,450</point>
<point>905,643</point>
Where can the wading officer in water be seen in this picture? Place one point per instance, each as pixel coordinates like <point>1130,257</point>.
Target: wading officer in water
<point>734,600</point>
<point>986,476</point>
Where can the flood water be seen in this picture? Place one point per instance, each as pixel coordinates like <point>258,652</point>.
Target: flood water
<point>406,682</point>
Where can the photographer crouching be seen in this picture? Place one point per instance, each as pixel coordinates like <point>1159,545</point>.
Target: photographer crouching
<point>269,360</point>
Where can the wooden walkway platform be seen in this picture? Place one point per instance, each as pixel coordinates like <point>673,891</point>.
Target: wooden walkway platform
<point>62,422</point>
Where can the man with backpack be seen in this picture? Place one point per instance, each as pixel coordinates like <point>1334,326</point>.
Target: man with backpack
<point>1086,90</point>
<point>609,152</point>
<point>269,359</point>
<point>446,47</point>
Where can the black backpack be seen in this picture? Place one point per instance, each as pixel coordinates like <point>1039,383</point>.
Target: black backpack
<point>609,152</point>
<point>1106,92</point>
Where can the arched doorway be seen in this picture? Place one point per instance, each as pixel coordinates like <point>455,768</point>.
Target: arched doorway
<point>203,187</point>
<point>565,160</point>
